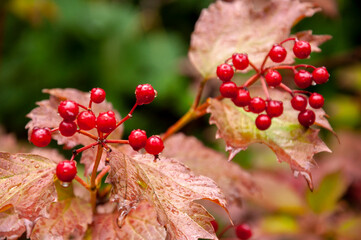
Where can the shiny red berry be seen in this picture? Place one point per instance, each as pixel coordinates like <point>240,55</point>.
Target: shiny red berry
<point>240,61</point>
<point>242,99</point>
<point>273,78</point>
<point>306,118</point>
<point>257,105</point>
<point>320,75</point>
<point>67,129</point>
<point>225,72</point>
<point>86,120</point>
<point>154,145</point>
<point>228,89</point>
<point>106,122</point>
<point>303,79</point>
<point>299,102</point>
<point>145,94</point>
<point>243,232</point>
<point>97,95</point>
<point>40,137</point>
<point>278,53</point>
<point>316,100</point>
<point>263,122</point>
<point>301,49</point>
<point>137,139</point>
<point>214,225</point>
<point>68,110</point>
<point>66,171</point>
<point>274,108</point>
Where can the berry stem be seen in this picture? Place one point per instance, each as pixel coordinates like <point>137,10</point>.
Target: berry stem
<point>304,66</point>
<point>93,186</point>
<point>86,147</point>
<point>288,39</point>
<point>254,67</point>
<point>117,141</point>
<point>88,134</point>
<point>199,94</point>
<point>220,235</point>
<point>82,106</point>
<point>265,89</point>
<point>101,175</point>
<point>90,104</point>
<point>251,80</point>
<point>287,89</point>
<point>281,67</point>
<point>54,130</point>
<point>82,182</point>
<point>302,91</point>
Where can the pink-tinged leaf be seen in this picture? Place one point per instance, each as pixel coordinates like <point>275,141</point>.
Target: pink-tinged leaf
<point>140,224</point>
<point>230,177</point>
<point>27,184</point>
<point>68,218</point>
<point>291,142</point>
<point>247,26</point>
<point>11,227</point>
<point>171,187</point>
<point>329,7</point>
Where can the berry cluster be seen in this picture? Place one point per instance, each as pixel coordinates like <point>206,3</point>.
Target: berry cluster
<point>80,122</point>
<point>270,77</point>
<point>243,231</point>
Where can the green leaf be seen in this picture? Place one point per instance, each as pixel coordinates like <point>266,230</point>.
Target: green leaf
<point>279,224</point>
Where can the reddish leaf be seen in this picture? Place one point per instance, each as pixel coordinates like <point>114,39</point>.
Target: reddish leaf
<point>11,227</point>
<point>171,187</point>
<point>68,218</point>
<point>246,26</point>
<point>291,142</point>
<point>141,223</point>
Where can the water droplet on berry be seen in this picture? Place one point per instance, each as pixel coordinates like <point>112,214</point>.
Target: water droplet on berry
<point>313,84</point>
<point>65,184</point>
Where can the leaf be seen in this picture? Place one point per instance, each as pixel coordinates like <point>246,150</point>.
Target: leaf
<point>246,26</point>
<point>68,218</point>
<point>230,177</point>
<point>27,184</point>
<point>171,187</point>
<point>291,142</point>
<point>141,223</point>
<point>11,227</point>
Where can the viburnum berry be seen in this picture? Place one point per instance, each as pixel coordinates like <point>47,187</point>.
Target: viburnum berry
<point>214,225</point>
<point>225,72</point>
<point>263,122</point>
<point>320,75</point>
<point>316,100</point>
<point>301,49</point>
<point>154,145</point>
<point>242,99</point>
<point>278,53</point>
<point>67,129</point>
<point>228,89</point>
<point>303,79</point>
<point>273,78</point>
<point>257,105</point>
<point>97,95</point>
<point>66,171</point>
<point>299,102</point>
<point>274,108</point>
<point>243,232</point>
<point>40,137</point>
<point>240,61</point>
<point>306,118</point>
<point>106,122</point>
<point>68,110</point>
<point>86,120</point>
<point>137,139</point>
<point>145,94</point>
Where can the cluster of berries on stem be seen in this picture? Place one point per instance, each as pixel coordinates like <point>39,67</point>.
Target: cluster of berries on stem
<point>270,77</point>
<point>242,231</point>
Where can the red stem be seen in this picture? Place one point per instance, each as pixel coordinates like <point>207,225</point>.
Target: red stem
<point>288,39</point>
<point>305,66</point>
<point>265,89</point>
<point>86,147</point>
<point>88,135</point>
<point>54,130</point>
<point>287,89</point>
<point>90,103</point>
<point>82,182</point>
<point>102,174</point>
<point>117,141</point>
<point>251,80</point>
<point>82,106</point>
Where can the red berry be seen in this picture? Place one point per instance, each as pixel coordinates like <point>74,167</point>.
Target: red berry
<point>263,122</point>
<point>106,122</point>
<point>316,100</point>
<point>137,139</point>
<point>67,129</point>
<point>242,99</point>
<point>274,108</point>
<point>214,225</point>
<point>278,53</point>
<point>320,75</point>
<point>145,94</point>
<point>257,105</point>
<point>154,145</point>
<point>299,102</point>
<point>68,110</point>
<point>228,89</point>
<point>303,79</point>
<point>306,118</point>
<point>97,95</point>
<point>243,232</point>
<point>240,61</point>
<point>66,171</point>
<point>273,78</point>
<point>86,120</point>
<point>225,72</point>
<point>302,49</point>
<point>40,137</point>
